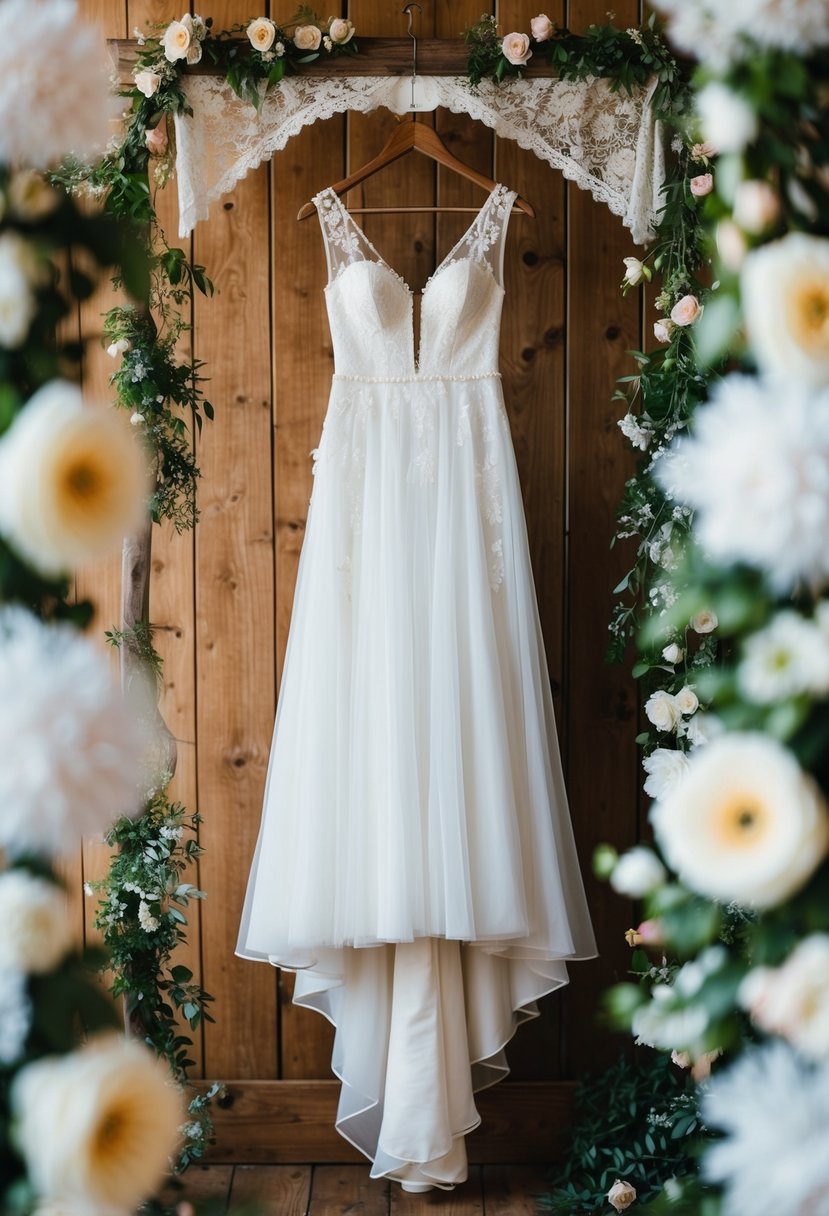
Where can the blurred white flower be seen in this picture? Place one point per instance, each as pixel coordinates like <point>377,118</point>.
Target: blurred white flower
<point>97,1126</point>
<point>793,1000</point>
<point>621,1195</point>
<point>756,470</point>
<point>728,121</point>
<point>73,481</point>
<point>702,728</point>
<point>662,710</point>
<point>789,657</point>
<point>661,1025</point>
<point>665,766</point>
<point>717,31</point>
<point>55,97</point>
<point>30,195</point>
<point>15,1014</point>
<point>773,1108</point>
<point>746,825</point>
<point>37,929</point>
<point>17,300</point>
<point>731,245</point>
<point>756,206</point>
<point>71,748</point>
<point>700,1066</point>
<point>785,294</point>
<point>637,873</point>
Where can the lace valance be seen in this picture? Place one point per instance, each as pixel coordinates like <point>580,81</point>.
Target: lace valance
<point>606,142</point>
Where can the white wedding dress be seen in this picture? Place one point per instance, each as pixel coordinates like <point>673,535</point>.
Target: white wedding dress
<point>416,863</point>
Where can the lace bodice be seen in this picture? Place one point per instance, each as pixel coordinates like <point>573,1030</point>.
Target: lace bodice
<point>370,306</point>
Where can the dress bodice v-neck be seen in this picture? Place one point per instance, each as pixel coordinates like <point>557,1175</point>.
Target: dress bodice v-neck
<point>370,305</point>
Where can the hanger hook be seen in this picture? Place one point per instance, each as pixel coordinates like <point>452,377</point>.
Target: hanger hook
<point>407,9</point>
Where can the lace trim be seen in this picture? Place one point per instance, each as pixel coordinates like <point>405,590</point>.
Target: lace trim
<point>607,143</point>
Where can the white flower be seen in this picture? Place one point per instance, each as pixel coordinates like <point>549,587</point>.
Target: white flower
<point>637,873</point>
<point>663,329</point>
<point>745,825</point>
<point>621,1195</point>
<point>98,1125</point>
<point>46,115</point>
<point>37,930</point>
<point>687,700</point>
<point>633,429</point>
<point>327,43</point>
<point>516,48</point>
<point>727,119</point>
<point>307,37</point>
<point>773,1108</point>
<point>15,1014</point>
<point>686,311</point>
<point>147,82</point>
<point>279,50</point>
<point>756,470</point>
<point>30,195</point>
<point>658,1025</point>
<point>636,272</point>
<point>704,621</point>
<point>73,481</point>
<point>793,1000</point>
<point>261,34</point>
<point>789,657</point>
<point>756,206</point>
<point>70,747</point>
<point>665,766</point>
<point>731,245</point>
<point>177,39</point>
<point>119,348</point>
<point>147,921</point>
<point>662,710</point>
<point>137,419</point>
<point>673,653</point>
<point>785,293</point>
<point>341,31</point>
<point>17,300</point>
<point>702,728</point>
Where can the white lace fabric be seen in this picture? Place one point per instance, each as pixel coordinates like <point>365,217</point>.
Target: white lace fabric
<point>607,142</point>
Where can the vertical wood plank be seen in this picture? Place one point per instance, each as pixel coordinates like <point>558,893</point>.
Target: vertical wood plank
<point>234,608</point>
<point>533,361</point>
<point>601,699</point>
<point>303,365</point>
<point>275,1190</point>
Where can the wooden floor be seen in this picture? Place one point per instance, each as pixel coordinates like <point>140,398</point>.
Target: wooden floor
<point>347,1190</point>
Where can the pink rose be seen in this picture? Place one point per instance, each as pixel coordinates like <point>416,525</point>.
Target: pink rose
<point>704,151</point>
<point>516,48</point>
<point>156,139</point>
<point>702,184</point>
<point>542,27</point>
<point>663,329</point>
<point>686,311</point>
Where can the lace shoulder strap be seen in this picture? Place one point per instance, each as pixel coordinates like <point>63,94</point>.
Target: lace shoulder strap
<point>485,240</point>
<point>345,242</point>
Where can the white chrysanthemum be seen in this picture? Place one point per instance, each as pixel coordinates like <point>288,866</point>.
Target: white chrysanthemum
<point>746,825</point>
<point>774,1157</point>
<point>97,1126</point>
<point>793,1000</point>
<point>785,294</point>
<point>789,657</point>
<point>55,98</point>
<point>71,748</point>
<point>72,480</point>
<point>15,1014</point>
<point>665,766</point>
<point>37,930</point>
<point>756,470</point>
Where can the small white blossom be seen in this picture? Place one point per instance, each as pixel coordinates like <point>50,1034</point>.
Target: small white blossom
<point>147,921</point>
<point>637,430</point>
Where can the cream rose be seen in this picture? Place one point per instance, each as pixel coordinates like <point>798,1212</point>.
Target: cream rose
<point>702,184</point>
<point>97,1126</point>
<point>156,139</point>
<point>687,700</point>
<point>307,38</point>
<point>516,48</point>
<point>662,710</point>
<point>72,480</point>
<point>665,767</point>
<point>785,292</point>
<point>621,1195</point>
<point>673,653</point>
<point>176,41</point>
<point>704,621</point>
<point>30,195</point>
<point>663,329</point>
<point>261,34</point>
<point>340,31</point>
<point>542,28</point>
<point>37,930</point>
<point>686,311</point>
<point>147,82</point>
<point>756,206</point>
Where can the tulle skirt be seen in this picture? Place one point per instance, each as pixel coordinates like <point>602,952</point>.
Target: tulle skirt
<point>416,861</point>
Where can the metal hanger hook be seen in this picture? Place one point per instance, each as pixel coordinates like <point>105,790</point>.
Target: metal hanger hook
<point>407,9</point>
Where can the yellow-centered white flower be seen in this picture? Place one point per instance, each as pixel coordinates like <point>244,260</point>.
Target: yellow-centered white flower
<point>261,34</point>
<point>746,824</point>
<point>97,1126</point>
<point>307,37</point>
<point>785,293</point>
<point>73,480</point>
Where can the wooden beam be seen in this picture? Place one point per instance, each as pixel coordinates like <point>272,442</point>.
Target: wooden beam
<point>377,57</point>
<point>280,1122</point>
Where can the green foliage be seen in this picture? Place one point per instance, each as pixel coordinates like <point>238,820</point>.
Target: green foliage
<point>635,1121</point>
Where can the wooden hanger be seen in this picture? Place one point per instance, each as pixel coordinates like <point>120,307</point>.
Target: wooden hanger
<point>415,137</point>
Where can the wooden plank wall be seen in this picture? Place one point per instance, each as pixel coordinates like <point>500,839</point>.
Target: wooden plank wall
<point>221,599</point>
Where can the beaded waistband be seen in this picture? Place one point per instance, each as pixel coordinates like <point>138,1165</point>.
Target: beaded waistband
<point>415,379</point>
